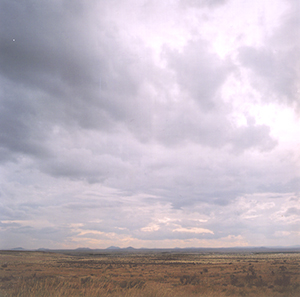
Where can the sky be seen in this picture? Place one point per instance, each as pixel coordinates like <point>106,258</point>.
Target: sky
<point>147,123</point>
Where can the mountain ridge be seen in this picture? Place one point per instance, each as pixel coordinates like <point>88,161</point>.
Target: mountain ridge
<point>254,249</point>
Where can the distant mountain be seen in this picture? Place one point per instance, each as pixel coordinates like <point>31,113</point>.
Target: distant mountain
<point>130,248</point>
<point>113,248</point>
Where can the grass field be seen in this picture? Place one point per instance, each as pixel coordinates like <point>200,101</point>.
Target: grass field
<point>163,274</point>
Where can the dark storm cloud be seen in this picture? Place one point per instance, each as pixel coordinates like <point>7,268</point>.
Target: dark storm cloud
<point>58,70</point>
<point>19,130</point>
<point>38,51</point>
<point>47,47</point>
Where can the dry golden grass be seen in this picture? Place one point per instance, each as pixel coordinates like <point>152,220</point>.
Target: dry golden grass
<point>149,274</point>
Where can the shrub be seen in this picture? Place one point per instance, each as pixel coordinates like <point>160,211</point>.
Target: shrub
<point>233,280</point>
<point>188,279</point>
<point>85,280</point>
<point>137,283</point>
<point>283,281</point>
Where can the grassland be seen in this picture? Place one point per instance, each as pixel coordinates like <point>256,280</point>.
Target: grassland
<point>149,274</point>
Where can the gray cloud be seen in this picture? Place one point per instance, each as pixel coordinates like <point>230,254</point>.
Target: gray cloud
<point>201,3</point>
<point>293,211</point>
<point>83,72</point>
<point>199,72</point>
<point>253,137</point>
<point>275,64</point>
<point>276,69</point>
<point>113,131</point>
<point>94,91</point>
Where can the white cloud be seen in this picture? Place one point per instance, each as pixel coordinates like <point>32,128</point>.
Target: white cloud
<point>193,230</point>
<point>282,233</point>
<point>151,228</point>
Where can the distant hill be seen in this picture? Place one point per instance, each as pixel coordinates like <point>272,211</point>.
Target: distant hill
<point>130,248</point>
<point>113,248</point>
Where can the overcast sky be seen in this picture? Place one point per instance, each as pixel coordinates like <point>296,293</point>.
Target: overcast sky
<point>149,123</point>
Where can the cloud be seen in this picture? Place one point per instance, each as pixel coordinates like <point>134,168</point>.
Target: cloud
<point>193,230</point>
<point>77,69</point>
<point>273,71</point>
<point>150,228</point>
<point>293,211</point>
<point>146,123</point>
<point>274,65</point>
<point>253,137</point>
<point>199,72</point>
<point>201,3</point>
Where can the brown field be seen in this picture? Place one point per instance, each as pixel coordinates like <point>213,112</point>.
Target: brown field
<point>148,274</point>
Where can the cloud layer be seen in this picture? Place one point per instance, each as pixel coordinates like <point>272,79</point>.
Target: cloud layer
<point>149,124</point>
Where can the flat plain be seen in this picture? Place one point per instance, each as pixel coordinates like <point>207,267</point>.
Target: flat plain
<point>32,273</point>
